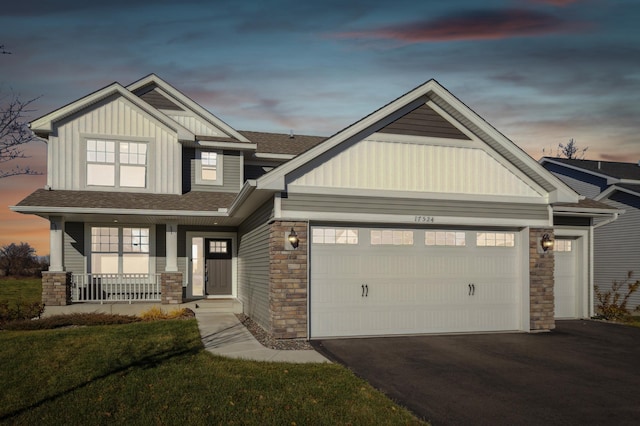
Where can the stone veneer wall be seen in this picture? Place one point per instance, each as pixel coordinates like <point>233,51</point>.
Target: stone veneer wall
<point>56,288</point>
<point>171,288</point>
<point>541,265</point>
<point>288,282</point>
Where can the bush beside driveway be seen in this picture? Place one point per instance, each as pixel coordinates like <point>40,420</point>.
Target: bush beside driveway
<point>584,372</point>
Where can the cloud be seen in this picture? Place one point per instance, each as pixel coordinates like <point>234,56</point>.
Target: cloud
<point>560,3</point>
<point>471,25</point>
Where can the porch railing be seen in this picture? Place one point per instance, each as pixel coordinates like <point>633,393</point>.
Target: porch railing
<point>115,287</point>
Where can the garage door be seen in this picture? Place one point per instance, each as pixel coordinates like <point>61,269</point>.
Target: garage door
<point>565,278</point>
<point>373,281</point>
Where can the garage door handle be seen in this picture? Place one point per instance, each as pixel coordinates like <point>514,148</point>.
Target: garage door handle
<point>469,289</point>
<point>362,290</point>
<point>473,289</point>
<point>366,286</point>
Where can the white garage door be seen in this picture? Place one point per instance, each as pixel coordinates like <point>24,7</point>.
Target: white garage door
<point>565,277</point>
<point>367,282</point>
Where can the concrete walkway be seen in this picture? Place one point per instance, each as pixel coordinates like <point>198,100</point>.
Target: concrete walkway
<point>223,334</point>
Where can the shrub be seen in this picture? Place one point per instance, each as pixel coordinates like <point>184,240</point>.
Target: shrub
<point>156,313</point>
<point>19,311</point>
<point>612,304</point>
<point>68,320</point>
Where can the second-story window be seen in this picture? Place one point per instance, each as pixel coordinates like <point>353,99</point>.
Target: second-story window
<point>116,164</point>
<point>208,167</point>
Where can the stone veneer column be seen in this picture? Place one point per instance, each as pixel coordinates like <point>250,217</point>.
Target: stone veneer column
<point>541,282</point>
<point>56,288</point>
<point>288,281</point>
<point>171,288</point>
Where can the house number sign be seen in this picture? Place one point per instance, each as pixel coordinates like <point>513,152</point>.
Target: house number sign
<point>424,219</point>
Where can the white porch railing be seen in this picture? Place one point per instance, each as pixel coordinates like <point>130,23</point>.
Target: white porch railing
<point>115,287</point>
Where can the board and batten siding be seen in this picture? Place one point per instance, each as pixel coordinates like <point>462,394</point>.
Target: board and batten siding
<point>231,173</point>
<point>583,183</point>
<point>395,166</point>
<point>412,206</point>
<point>253,264</point>
<point>196,125</point>
<point>617,247</point>
<point>73,249</point>
<point>113,119</point>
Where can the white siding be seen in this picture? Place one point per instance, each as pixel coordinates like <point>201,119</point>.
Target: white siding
<point>119,119</point>
<point>196,125</point>
<point>417,167</point>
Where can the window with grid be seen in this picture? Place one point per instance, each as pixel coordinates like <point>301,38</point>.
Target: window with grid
<point>209,164</point>
<point>391,237</point>
<point>218,247</point>
<point>116,164</point>
<point>445,238</point>
<point>117,250</point>
<point>495,239</point>
<point>335,236</point>
<point>562,245</point>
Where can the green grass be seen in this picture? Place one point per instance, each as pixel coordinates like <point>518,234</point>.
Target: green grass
<point>26,290</point>
<point>158,373</point>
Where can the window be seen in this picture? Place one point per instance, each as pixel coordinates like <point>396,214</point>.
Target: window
<point>495,239</point>
<point>218,247</point>
<point>391,237</point>
<point>562,245</point>
<point>335,236</point>
<point>209,168</point>
<point>119,250</point>
<point>116,164</point>
<point>445,238</point>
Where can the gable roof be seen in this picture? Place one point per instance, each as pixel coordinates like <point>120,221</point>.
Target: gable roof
<point>43,126</point>
<point>614,169</point>
<point>178,98</point>
<point>437,96</point>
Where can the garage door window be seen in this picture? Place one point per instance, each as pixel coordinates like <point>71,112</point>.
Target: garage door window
<point>562,245</point>
<point>495,239</point>
<point>444,238</point>
<point>335,236</point>
<point>391,237</point>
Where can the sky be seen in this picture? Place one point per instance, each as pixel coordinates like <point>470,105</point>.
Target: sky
<point>541,71</point>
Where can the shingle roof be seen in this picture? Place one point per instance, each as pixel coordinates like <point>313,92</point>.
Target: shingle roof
<point>191,201</point>
<point>586,203</point>
<point>613,169</point>
<point>281,143</point>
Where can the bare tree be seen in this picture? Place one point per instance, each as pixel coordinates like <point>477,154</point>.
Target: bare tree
<point>14,134</point>
<point>18,259</point>
<point>571,151</point>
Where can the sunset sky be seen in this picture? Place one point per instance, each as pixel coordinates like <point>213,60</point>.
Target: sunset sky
<point>540,71</point>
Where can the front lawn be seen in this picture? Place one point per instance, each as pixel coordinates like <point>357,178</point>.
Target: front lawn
<point>21,290</point>
<point>158,373</point>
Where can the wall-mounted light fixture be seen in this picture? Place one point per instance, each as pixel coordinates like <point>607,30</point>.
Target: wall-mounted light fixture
<point>546,242</point>
<point>293,239</point>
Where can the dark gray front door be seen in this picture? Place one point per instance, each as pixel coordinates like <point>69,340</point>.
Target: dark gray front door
<point>217,267</point>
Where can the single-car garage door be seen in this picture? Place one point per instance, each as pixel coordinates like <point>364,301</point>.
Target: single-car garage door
<point>376,281</point>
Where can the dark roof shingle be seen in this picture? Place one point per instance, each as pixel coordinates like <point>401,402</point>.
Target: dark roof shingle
<point>281,143</point>
<point>609,168</point>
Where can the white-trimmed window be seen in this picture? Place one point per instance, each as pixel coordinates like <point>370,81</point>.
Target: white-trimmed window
<point>335,236</point>
<point>381,237</point>
<point>495,239</point>
<point>116,164</point>
<point>119,250</point>
<point>445,238</point>
<point>562,245</point>
<point>218,247</point>
<point>209,167</point>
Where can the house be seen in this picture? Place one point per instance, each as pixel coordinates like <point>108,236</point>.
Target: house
<point>418,218</point>
<point>616,245</point>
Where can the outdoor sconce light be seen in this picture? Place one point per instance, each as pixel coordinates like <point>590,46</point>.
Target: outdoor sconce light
<point>293,239</point>
<point>546,242</point>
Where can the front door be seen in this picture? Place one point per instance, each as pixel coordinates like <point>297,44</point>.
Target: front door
<point>217,267</point>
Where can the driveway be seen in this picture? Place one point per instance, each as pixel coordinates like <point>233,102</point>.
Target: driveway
<point>582,373</point>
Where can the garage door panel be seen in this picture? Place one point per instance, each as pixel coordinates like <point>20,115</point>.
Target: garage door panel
<point>412,289</point>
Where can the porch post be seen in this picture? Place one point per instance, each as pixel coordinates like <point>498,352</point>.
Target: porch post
<point>56,239</point>
<point>172,247</point>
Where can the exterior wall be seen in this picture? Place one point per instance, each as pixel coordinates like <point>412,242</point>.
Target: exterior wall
<point>56,288</point>
<point>541,267</point>
<point>413,206</point>
<point>395,166</point>
<point>117,119</point>
<point>583,183</point>
<point>617,246</point>
<point>75,260</point>
<point>253,265</point>
<point>171,288</point>
<point>288,282</point>
<point>231,173</point>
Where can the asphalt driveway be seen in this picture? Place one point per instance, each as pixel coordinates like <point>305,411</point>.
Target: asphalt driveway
<point>582,373</point>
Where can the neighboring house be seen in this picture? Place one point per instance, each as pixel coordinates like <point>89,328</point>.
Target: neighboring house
<point>616,245</point>
<point>418,218</point>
